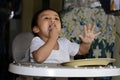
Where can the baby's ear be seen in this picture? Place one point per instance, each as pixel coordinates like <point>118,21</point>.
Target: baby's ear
<point>35,29</point>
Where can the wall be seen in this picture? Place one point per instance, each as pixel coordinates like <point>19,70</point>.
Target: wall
<point>56,4</point>
<point>28,9</point>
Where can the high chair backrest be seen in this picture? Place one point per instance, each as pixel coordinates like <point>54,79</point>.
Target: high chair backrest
<point>20,47</point>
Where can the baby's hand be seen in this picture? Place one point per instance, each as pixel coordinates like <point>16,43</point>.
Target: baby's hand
<point>53,32</point>
<point>89,35</point>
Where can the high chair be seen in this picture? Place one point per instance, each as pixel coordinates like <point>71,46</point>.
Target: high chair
<point>20,47</point>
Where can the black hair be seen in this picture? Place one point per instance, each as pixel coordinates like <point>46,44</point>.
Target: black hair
<point>35,18</point>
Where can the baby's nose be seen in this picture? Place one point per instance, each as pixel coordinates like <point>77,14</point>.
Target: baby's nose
<point>52,20</point>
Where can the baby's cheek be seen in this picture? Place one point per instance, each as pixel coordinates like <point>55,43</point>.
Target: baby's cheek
<point>60,30</point>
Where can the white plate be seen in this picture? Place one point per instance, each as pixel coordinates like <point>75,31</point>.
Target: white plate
<point>89,62</point>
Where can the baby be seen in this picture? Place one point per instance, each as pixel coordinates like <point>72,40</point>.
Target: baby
<point>48,47</point>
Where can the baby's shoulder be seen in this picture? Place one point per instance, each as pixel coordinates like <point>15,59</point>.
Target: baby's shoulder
<point>36,39</point>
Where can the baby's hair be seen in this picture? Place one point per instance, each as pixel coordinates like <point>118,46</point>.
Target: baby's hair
<point>35,18</point>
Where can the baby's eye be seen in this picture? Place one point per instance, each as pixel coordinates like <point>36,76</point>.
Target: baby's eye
<point>57,19</point>
<point>46,18</point>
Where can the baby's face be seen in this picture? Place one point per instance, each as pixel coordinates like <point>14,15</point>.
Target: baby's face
<point>47,20</point>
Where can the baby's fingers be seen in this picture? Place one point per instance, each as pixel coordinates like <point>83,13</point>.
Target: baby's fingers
<point>81,37</point>
<point>97,34</point>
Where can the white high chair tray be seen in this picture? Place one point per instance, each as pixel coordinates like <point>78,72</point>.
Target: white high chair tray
<point>57,70</point>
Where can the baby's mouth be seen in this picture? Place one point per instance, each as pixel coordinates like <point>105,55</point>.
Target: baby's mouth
<point>49,28</point>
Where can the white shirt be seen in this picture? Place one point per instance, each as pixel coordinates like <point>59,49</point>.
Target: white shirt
<point>66,49</point>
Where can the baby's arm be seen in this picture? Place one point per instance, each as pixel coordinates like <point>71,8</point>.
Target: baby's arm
<point>87,39</point>
<point>44,51</point>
